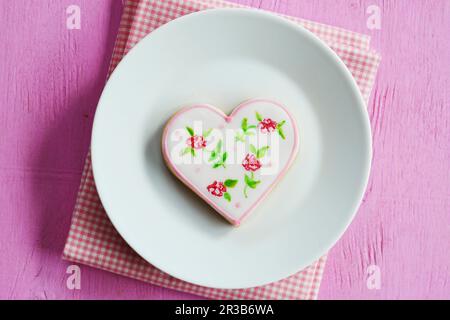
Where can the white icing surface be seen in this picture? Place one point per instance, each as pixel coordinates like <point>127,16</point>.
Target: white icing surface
<point>198,171</point>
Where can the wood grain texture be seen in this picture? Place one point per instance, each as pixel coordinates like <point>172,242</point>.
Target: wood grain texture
<point>50,82</point>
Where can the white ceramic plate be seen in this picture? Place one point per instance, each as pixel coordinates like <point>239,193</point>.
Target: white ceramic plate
<point>223,57</point>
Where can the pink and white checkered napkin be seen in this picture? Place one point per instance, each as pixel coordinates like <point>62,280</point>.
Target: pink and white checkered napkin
<point>92,239</point>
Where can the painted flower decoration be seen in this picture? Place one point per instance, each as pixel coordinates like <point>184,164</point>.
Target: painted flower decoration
<point>267,125</point>
<point>251,163</point>
<point>196,142</point>
<point>219,189</point>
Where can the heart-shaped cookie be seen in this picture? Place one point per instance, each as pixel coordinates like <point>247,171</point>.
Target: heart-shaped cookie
<point>232,162</point>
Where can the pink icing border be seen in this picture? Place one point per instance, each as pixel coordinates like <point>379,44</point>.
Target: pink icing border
<point>179,175</point>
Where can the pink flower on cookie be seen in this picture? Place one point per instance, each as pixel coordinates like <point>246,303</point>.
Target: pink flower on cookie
<point>196,142</point>
<point>267,125</point>
<point>217,188</point>
<point>251,163</point>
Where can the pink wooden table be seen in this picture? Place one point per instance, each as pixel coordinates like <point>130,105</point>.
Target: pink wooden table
<point>50,81</point>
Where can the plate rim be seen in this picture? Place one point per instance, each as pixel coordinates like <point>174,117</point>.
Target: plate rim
<point>361,104</point>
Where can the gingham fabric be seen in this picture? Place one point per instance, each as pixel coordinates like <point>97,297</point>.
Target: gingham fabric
<point>92,239</point>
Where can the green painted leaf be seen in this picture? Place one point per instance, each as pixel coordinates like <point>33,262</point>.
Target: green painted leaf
<point>253,149</point>
<point>190,130</point>
<point>250,182</point>
<point>216,165</point>
<point>192,151</point>
<point>224,157</point>
<point>227,196</point>
<point>281,133</point>
<point>219,147</point>
<point>253,184</point>
<point>239,137</point>
<point>247,180</point>
<point>251,127</point>
<point>207,133</point>
<point>259,117</point>
<point>244,124</point>
<point>213,155</point>
<point>230,183</point>
<point>185,151</point>
<point>262,152</point>
<point>281,124</point>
